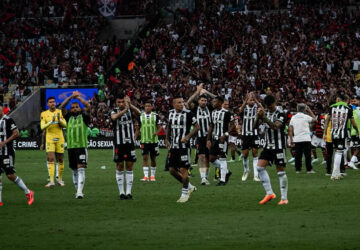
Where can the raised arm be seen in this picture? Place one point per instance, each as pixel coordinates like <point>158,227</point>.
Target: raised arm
<point>241,109</point>
<point>256,100</point>
<point>311,113</point>
<point>195,95</point>
<point>134,109</point>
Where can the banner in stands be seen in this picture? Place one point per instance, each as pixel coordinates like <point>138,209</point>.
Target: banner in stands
<point>98,143</point>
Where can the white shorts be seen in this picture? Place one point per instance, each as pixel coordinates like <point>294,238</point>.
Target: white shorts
<point>232,139</point>
<point>318,142</point>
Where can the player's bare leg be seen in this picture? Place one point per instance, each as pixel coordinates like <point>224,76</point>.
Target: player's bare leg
<point>354,159</point>
<point>203,169</point>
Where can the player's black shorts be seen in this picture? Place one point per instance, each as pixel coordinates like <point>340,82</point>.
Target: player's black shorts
<point>218,148</point>
<point>77,156</point>
<point>179,158</point>
<point>150,148</point>
<point>355,141</point>
<point>7,164</point>
<point>277,157</point>
<point>250,141</point>
<point>124,152</point>
<point>339,144</point>
<point>201,146</point>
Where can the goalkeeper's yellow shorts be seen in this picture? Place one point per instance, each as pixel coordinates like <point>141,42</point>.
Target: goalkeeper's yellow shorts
<point>55,146</point>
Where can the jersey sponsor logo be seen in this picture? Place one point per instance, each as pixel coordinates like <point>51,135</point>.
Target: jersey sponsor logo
<point>280,156</point>
<point>6,161</point>
<point>184,158</point>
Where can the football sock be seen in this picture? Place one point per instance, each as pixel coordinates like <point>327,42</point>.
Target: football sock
<point>81,179</point>
<point>265,179</point>
<point>246,164</point>
<point>0,188</point>
<point>120,181</point>
<point>51,170</point>
<point>223,169</point>
<point>19,182</point>
<point>56,169</point>
<point>184,192</point>
<point>75,178</point>
<point>345,156</point>
<point>255,162</point>
<point>283,184</point>
<point>337,162</point>
<point>61,170</point>
<point>202,171</point>
<point>146,171</point>
<point>354,159</point>
<point>129,181</point>
<point>153,171</point>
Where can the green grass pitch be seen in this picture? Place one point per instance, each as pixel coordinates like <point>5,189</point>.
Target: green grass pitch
<point>321,214</point>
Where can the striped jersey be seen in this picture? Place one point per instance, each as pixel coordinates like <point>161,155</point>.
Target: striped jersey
<point>179,124</point>
<point>123,128</point>
<point>76,129</point>
<point>203,118</point>
<point>221,120</point>
<point>249,117</point>
<point>7,126</point>
<point>275,139</point>
<point>148,127</point>
<point>340,115</point>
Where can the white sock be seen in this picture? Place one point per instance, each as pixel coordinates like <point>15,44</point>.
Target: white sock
<point>184,192</point>
<point>255,162</point>
<point>81,179</point>
<point>129,181</point>
<point>223,169</point>
<point>120,181</point>
<point>75,178</point>
<point>283,184</point>
<point>19,182</point>
<point>56,169</point>
<point>190,186</point>
<point>216,163</point>
<point>265,179</point>
<point>345,156</point>
<point>146,171</point>
<point>246,164</point>
<point>202,172</point>
<point>153,171</point>
<point>354,159</point>
<point>337,163</point>
<point>0,188</point>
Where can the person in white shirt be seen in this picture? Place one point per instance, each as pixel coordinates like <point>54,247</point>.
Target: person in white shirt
<point>299,134</point>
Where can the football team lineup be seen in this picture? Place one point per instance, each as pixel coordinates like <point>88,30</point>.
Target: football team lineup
<point>211,122</point>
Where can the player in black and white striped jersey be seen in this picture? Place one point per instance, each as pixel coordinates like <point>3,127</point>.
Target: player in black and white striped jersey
<point>274,119</point>
<point>177,141</point>
<point>202,112</point>
<point>249,134</point>
<point>340,114</point>
<point>124,143</point>
<point>222,122</point>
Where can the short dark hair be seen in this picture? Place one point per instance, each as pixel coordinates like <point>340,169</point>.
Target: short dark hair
<point>269,99</point>
<point>202,96</point>
<point>50,98</point>
<point>120,96</point>
<point>149,102</point>
<point>219,98</point>
<point>341,95</point>
<point>74,103</point>
<point>177,97</point>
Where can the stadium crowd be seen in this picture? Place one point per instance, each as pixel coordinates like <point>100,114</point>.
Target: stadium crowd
<point>304,55</point>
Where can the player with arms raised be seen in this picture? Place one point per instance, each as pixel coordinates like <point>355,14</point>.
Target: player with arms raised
<point>53,122</point>
<point>76,137</point>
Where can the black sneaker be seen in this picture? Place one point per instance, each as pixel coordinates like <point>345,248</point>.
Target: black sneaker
<point>129,197</point>
<point>123,197</point>
<point>227,177</point>
<point>221,183</point>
